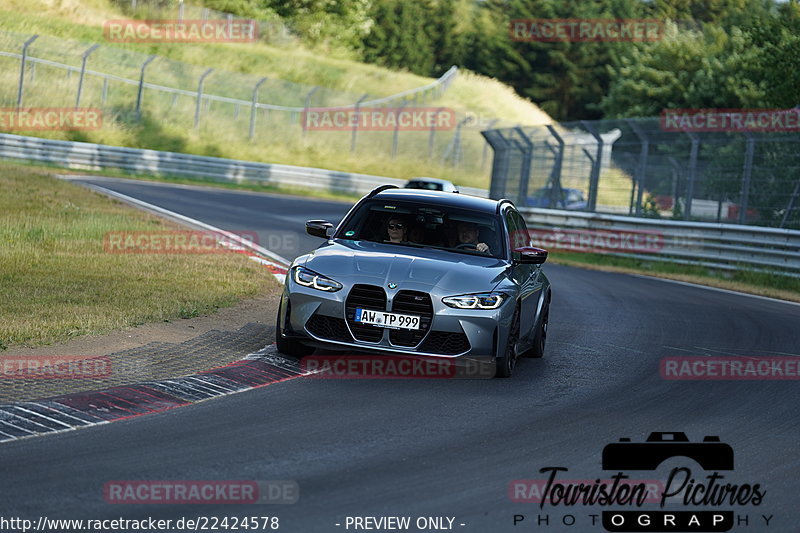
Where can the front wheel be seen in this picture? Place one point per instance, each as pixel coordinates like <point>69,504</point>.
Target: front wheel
<point>506,363</point>
<point>540,338</point>
<point>289,346</point>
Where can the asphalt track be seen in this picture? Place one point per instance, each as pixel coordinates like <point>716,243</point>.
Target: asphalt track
<point>450,448</point>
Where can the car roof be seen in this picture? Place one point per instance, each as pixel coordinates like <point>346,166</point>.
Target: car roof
<point>448,199</point>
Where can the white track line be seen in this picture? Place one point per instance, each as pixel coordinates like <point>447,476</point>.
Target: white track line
<point>277,260</point>
<point>717,289</point>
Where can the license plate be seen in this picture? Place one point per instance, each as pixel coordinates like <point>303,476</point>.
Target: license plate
<point>383,319</point>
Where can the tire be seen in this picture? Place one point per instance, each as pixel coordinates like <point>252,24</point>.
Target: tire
<point>506,364</point>
<point>539,340</point>
<point>289,346</point>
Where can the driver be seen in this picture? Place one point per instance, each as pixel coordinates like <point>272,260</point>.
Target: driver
<point>396,228</point>
<point>468,234</point>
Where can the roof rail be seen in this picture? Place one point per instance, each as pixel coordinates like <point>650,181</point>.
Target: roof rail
<point>381,188</point>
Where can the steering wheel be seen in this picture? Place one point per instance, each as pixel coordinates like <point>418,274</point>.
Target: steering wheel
<point>466,245</point>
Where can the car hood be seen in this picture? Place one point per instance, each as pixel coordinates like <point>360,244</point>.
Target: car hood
<point>412,268</point>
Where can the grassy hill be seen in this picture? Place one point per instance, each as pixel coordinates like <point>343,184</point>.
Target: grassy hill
<point>276,141</point>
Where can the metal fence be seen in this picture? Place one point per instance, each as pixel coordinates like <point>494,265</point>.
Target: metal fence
<point>727,247</point>
<point>99,157</point>
<point>636,167</point>
<point>175,97</point>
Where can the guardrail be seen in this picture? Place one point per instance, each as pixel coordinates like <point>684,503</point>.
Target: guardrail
<point>99,157</point>
<point>721,246</point>
<point>713,245</point>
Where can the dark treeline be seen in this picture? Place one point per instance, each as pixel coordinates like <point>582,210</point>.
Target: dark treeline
<point>713,54</point>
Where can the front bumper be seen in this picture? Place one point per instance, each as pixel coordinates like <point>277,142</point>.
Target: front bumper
<point>321,320</point>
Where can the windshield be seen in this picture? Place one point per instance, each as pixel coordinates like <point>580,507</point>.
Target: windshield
<point>424,225</point>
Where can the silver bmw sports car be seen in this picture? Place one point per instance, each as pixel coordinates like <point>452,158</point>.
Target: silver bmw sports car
<point>420,273</point>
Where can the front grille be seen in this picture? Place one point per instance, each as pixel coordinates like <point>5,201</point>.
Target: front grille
<point>412,303</point>
<point>369,297</point>
<point>328,327</point>
<point>445,343</point>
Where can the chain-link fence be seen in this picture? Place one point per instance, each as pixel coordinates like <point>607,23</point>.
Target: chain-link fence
<point>639,167</point>
<point>177,97</point>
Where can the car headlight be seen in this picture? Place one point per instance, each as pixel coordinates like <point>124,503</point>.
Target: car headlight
<point>484,300</point>
<point>309,278</point>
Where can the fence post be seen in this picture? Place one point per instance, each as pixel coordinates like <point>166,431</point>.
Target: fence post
<point>140,91</point>
<point>748,170</point>
<point>24,60</point>
<point>641,172</point>
<point>180,10</point>
<point>594,178</point>
<point>555,176</point>
<point>500,146</point>
<point>790,207</point>
<point>305,109</point>
<point>458,150</point>
<point>396,134</point>
<point>692,173</point>
<point>200,96</point>
<point>525,167</point>
<point>433,132</point>
<point>355,126</point>
<point>84,58</point>
<point>455,144</point>
<point>253,108</point>
<point>105,89</point>
<point>486,146</point>
<point>676,173</point>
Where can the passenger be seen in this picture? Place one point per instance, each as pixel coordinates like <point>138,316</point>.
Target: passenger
<point>416,234</point>
<point>467,233</point>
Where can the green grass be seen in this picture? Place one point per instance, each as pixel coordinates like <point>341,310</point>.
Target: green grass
<point>168,125</point>
<point>57,282</point>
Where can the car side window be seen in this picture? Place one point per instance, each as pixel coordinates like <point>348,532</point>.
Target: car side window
<point>513,233</point>
<point>524,235</point>
<point>520,237</point>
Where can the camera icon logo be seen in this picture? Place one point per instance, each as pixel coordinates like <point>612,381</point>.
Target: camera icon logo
<point>711,454</point>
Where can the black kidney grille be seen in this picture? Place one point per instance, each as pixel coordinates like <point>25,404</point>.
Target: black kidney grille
<point>445,343</point>
<point>328,327</point>
<point>366,297</point>
<point>412,303</point>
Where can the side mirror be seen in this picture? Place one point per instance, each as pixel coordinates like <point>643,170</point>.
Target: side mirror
<point>531,255</point>
<point>319,228</point>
